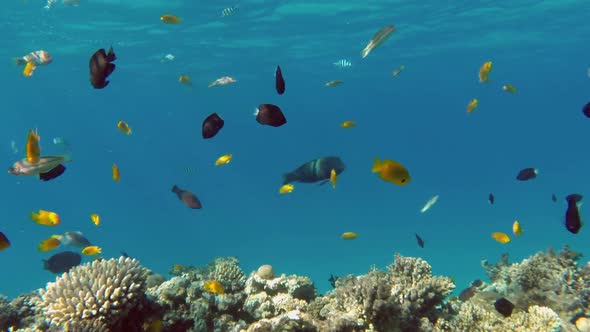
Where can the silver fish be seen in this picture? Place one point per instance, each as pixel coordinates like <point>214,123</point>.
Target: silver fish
<point>342,63</point>
<point>47,168</point>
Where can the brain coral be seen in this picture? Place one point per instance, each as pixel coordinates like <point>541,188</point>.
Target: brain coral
<point>95,296</point>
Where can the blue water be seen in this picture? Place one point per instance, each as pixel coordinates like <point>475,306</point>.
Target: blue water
<point>417,118</point>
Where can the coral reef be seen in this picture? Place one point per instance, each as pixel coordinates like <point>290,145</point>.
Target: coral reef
<point>547,292</point>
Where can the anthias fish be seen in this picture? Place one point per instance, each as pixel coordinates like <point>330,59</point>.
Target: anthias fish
<point>315,170</point>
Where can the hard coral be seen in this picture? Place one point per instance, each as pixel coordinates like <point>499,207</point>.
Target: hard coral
<point>96,296</point>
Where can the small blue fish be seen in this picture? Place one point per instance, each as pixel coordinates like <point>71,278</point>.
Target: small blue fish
<point>342,63</point>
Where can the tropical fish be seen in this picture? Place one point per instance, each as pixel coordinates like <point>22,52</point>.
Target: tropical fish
<point>124,127</point>
<point>229,11</point>
<point>516,228</point>
<point>95,218</point>
<point>270,115</point>
<point>378,38</point>
<point>509,88</point>
<point>225,80</point>
<point>333,178</point>
<point>187,197</point>
<point>214,287</point>
<point>29,69</point>
<point>38,58</point>
<point>349,235</point>
<point>343,63</point>
<point>167,58</point>
<point>101,67</point>
<point>279,81</point>
<point>419,240</point>
<point>333,280</point>
<point>4,242</point>
<point>49,244</point>
<point>391,171</point>
<point>586,110</point>
<point>46,218</point>
<point>286,188</point>
<point>315,170</point>
<point>62,262</point>
<point>484,71</point>
<point>212,125</point>
<point>170,19</point>
<point>553,198</point>
<point>225,159</point>
<point>501,237</point>
<point>526,174</point>
<point>472,105</point>
<point>504,307</point>
<point>429,204</point>
<point>491,198</point>
<point>573,222</point>
<point>185,79</point>
<point>91,250</point>
<point>397,70</point>
<point>348,124</point>
<point>116,174</point>
<point>334,83</point>
<point>32,147</point>
<point>74,239</point>
<point>47,168</point>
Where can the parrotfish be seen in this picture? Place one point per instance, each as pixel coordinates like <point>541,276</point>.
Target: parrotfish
<point>315,170</point>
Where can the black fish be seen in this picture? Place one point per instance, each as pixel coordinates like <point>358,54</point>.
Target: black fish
<point>124,254</point>
<point>101,67</point>
<point>62,262</point>
<point>476,283</point>
<point>573,222</point>
<point>315,170</point>
<point>332,280</point>
<point>527,174</point>
<point>419,240</point>
<point>586,110</point>
<point>212,125</point>
<point>279,81</point>
<point>188,198</point>
<point>504,307</point>
<point>467,293</point>
<point>53,173</point>
<point>491,199</point>
<point>554,198</point>
<point>270,115</point>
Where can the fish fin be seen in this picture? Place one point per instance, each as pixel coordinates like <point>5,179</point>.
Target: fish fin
<point>52,173</point>
<point>45,264</point>
<point>19,61</point>
<point>376,165</point>
<point>289,178</point>
<point>175,189</point>
<point>34,216</point>
<point>323,182</point>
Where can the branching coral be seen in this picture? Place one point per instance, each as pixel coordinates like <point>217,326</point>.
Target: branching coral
<point>95,296</point>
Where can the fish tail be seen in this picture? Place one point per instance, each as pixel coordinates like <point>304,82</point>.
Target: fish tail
<point>175,189</point>
<point>34,216</point>
<point>289,177</point>
<point>19,61</point>
<point>376,165</point>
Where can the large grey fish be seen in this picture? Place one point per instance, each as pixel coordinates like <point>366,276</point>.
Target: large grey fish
<point>315,170</point>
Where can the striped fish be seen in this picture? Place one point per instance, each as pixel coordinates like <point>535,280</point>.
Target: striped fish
<point>342,63</point>
<point>229,11</point>
<point>50,4</point>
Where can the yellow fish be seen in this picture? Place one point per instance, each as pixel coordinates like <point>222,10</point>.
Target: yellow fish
<point>286,188</point>
<point>95,218</point>
<point>348,124</point>
<point>516,228</point>
<point>124,127</point>
<point>225,159</point>
<point>49,244</point>
<point>484,71</point>
<point>170,19</point>
<point>184,79</point>
<point>333,178</point>
<point>501,237</point>
<point>214,287</point>
<point>334,83</point>
<point>116,173</point>
<point>391,171</point>
<point>46,218</point>
<point>472,105</point>
<point>29,69</point>
<point>32,147</point>
<point>349,235</point>
<point>509,88</point>
<point>91,250</point>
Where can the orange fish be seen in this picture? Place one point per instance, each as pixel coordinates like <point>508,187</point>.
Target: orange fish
<point>4,242</point>
<point>32,147</point>
<point>49,244</point>
<point>116,173</point>
<point>91,250</point>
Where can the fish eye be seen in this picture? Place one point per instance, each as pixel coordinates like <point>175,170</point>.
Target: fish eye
<point>403,180</point>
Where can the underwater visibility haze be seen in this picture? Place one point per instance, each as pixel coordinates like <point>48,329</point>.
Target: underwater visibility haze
<point>304,135</point>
